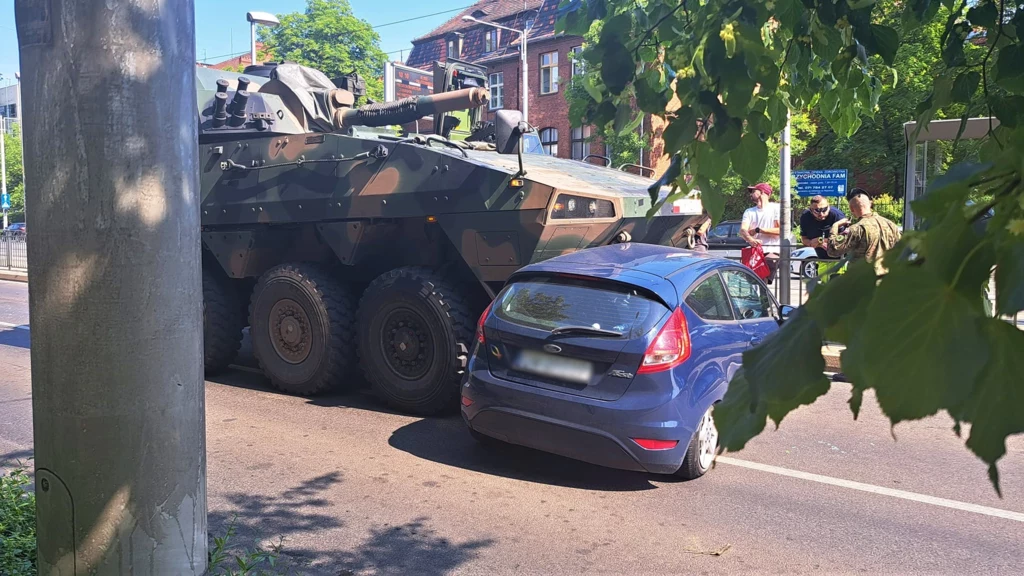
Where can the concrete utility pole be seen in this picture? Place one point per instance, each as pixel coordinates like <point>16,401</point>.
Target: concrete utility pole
<point>111,166</point>
<point>785,210</point>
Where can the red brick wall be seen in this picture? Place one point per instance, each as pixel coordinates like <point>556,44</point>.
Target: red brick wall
<point>546,110</point>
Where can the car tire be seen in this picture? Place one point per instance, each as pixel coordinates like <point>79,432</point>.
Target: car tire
<point>222,322</point>
<point>302,328</point>
<point>809,269</point>
<point>415,331</point>
<point>700,454</point>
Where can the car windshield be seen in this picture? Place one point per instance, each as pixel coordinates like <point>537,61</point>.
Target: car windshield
<point>553,303</point>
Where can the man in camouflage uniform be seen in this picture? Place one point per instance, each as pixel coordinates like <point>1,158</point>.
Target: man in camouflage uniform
<point>869,238</point>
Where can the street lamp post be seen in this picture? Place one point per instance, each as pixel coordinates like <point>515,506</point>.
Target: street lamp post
<point>254,18</point>
<point>524,91</point>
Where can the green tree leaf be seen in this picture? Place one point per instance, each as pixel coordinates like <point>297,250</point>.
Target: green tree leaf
<point>984,14</point>
<point>925,350</point>
<point>885,41</point>
<point>956,254</point>
<point>617,67</point>
<point>965,85</point>
<point>725,134</point>
<point>738,416</point>
<point>1010,277</point>
<point>750,157</point>
<point>1009,69</point>
<point>681,130</point>
<point>996,409</point>
<point>787,370</point>
<point>710,164</point>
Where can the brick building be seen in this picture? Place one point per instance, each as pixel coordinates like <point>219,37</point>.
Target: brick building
<point>550,71</point>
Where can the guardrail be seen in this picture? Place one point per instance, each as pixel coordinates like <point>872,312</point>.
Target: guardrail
<point>799,289</point>
<point>13,250</point>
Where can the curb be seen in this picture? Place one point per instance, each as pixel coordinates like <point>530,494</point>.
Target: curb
<point>14,275</point>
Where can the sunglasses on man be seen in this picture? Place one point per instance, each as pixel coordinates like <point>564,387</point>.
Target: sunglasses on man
<point>822,210</point>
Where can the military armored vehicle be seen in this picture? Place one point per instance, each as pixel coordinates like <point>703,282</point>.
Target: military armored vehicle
<point>344,245</point>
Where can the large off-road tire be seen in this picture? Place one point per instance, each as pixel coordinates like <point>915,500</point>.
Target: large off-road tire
<point>302,328</point>
<point>222,322</point>
<point>415,330</point>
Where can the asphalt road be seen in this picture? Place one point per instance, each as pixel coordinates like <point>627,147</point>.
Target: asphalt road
<point>354,488</point>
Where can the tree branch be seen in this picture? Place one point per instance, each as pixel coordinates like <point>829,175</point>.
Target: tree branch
<point>647,34</point>
<point>984,71</point>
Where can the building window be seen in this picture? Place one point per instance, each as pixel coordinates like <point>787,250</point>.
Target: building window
<point>453,48</point>
<point>491,40</point>
<point>497,82</point>
<point>549,73</point>
<point>581,142</point>
<point>549,141</point>
<point>577,60</point>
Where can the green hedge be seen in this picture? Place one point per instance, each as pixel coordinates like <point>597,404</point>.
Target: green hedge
<point>17,525</point>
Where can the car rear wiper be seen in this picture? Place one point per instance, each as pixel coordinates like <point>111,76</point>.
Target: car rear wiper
<point>588,330</point>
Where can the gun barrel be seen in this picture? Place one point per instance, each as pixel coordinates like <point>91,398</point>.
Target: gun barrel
<point>411,109</point>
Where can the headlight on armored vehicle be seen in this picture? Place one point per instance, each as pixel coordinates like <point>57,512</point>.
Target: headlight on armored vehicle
<point>568,207</point>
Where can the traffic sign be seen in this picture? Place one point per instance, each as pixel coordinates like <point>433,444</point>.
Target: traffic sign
<point>5,201</point>
<point>820,182</point>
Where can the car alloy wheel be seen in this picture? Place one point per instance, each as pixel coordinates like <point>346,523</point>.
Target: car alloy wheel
<point>707,440</point>
<point>811,269</point>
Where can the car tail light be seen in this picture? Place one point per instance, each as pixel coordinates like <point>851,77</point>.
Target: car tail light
<point>670,348</point>
<point>651,444</point>
<point>467,401</point>
<point>480,324</point>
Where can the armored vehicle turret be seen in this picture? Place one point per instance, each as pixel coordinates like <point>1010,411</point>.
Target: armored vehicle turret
<point>346,245</point>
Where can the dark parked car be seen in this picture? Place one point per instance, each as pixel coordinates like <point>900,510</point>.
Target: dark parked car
<point>18,227</point>
<point>726,236</point>
<point>616,355</point>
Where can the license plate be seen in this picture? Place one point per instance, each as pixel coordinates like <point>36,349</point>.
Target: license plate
<point>568,369</point>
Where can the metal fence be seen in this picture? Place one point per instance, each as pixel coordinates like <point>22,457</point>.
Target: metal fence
<point>13,250</point>
<point>801,279</point>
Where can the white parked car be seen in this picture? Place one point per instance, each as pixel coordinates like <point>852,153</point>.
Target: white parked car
<point>804,262</point>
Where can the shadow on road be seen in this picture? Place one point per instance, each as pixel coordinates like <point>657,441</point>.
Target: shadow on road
<point>412,548</point>
<point>17,459</point>
<point>15,337</point>
<point>303,511</point>
<point>446,441</point>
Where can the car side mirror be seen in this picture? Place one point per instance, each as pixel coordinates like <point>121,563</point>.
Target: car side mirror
<point>785,311</point>
<point>509,128</point>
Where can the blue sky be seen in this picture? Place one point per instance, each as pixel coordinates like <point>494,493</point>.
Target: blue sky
<point>221,28</point>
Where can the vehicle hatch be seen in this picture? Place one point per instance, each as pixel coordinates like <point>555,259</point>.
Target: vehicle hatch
<point>581,336</point>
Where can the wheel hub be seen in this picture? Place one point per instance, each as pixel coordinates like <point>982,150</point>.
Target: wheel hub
<point>707,440</point>
<point>289,331</point>
<point>406,344</point>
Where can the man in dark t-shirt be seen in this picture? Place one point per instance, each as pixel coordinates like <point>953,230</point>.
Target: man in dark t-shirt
<point>816,223</point>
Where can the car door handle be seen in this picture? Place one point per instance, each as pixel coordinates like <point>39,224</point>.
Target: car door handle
<point>755,340</point>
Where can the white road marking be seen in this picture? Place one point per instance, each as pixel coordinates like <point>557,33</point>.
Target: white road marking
<point>913,496</point>
<point>18,326</point>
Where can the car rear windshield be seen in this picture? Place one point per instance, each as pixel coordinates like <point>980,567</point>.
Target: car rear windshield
<point>551,303</point>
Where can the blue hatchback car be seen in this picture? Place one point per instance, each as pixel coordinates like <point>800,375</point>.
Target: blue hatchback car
<point>616,355</point>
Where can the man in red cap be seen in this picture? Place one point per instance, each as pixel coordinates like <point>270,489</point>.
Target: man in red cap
<point>761,226</point>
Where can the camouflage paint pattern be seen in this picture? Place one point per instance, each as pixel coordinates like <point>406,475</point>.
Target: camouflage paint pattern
<point>273,192</point>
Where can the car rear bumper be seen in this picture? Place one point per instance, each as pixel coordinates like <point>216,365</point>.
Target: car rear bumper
<point>594,431</point>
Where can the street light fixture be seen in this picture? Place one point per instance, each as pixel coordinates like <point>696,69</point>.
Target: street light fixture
<point>524,91</point>
<point>254,18</point>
